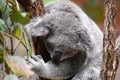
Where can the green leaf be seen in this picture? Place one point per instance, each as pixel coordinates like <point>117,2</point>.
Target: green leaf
<point>48,1</point>
<point>2,4</point>
<point>11,77</point>
<point>3,27</point>
<point>8,21</point>
<point>19,66</point>
<point>1,52</point>
<point>17,31</point>
<point>1,40</point>
<point>24,14</point>
<point>28,45</point>
<point>17,17</point>
<point>0,12</point>
<point>1,59</point>
<point>12,2</point>
<point>4,10</point>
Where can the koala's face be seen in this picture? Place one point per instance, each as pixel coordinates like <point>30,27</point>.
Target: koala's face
<point>60,47</point>
<point>59,35</point>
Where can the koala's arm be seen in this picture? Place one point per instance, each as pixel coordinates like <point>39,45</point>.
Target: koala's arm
<point>63,70</point>
<point>91,71</point>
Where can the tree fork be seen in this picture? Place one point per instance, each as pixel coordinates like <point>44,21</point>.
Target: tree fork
<point>110,59</point>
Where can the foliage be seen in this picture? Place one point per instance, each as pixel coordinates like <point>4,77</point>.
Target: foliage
<point>12,35</point>
<point>48,1</point>
<point>11,77</point>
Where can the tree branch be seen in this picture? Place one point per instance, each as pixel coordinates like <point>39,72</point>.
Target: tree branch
<point>110,60</point>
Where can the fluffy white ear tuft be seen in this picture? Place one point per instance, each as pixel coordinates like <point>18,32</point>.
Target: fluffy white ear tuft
<point>36,31</point>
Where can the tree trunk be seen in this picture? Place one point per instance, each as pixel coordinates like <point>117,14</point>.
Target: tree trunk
<point>36,8</point>
<point>110,60</point>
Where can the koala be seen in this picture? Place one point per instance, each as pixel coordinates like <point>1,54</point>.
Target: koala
<point>73,41</point>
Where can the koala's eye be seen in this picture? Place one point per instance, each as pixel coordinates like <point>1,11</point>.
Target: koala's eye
<point>56,56</point>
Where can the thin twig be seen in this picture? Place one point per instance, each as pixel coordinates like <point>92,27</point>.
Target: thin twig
<point>11,40</point>
<point>30,40</point>
<point>8,35</point>
<point>20,40</point>
<point>25,43</point>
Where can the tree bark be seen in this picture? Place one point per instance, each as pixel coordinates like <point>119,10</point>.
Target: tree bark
<point>110,59</point>
<point>34,7</point>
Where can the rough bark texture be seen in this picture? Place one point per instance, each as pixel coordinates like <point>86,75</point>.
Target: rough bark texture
<point>110,60</point>
<point>36,8</point>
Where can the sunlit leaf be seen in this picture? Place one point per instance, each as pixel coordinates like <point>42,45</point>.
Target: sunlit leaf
<point>17,31</point>
<point>12,2</point>
<point>17,17</point>
<point>48,1</point>
<point>19,66</point>
<point>24,14</point>
<point>11,77</point>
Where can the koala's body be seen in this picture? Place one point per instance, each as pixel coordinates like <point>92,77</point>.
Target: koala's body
<point>73,40</point>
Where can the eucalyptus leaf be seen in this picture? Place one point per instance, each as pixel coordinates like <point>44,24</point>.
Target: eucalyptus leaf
<point>19,66</point>
<point>17,17</point>
<point>17,31</point>
<point>48,1</point>
<point>3,26</point>
<point>1,52</point>
<point>1,40</point>
<point>1,59</point>
<point>28,45</point>
<point>11,77</point>
<point>4,11</point>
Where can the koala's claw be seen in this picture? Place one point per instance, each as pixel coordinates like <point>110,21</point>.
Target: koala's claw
<point>34,61</point>
<point>36,58</point>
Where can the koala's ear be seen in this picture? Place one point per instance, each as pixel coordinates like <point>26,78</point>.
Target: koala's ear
<point>35,28</point>
<point>39,31</point>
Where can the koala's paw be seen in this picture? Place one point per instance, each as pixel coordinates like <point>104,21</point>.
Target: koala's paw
<point>35,61</point>
<point>91,73</point>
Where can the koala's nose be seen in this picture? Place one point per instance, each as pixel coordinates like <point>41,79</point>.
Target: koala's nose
<point>56,56</point>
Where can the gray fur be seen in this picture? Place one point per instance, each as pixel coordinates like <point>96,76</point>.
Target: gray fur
<point>73,40</point>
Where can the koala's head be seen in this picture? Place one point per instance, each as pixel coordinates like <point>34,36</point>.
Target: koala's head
<point>60,34</point>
